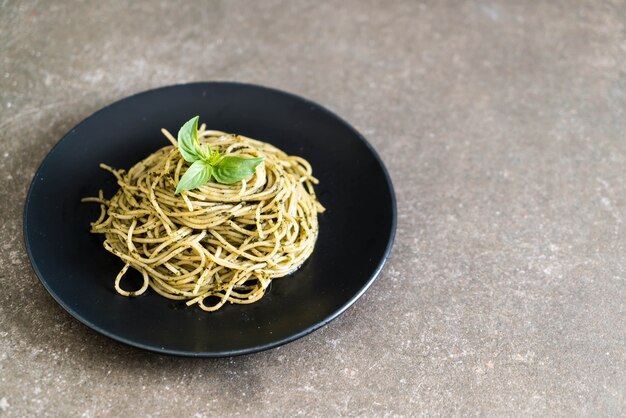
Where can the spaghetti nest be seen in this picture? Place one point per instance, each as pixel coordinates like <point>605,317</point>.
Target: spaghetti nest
<point>219,242</point>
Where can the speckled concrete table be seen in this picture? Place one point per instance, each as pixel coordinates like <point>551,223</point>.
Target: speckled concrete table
<point>503,125</point>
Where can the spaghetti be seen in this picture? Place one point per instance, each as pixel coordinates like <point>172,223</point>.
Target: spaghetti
<point>217,243</point>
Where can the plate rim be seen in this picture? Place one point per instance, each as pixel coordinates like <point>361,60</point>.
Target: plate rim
<point>225,353</point>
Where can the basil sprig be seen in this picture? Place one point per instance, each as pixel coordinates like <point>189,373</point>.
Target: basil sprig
<point>226,169</point>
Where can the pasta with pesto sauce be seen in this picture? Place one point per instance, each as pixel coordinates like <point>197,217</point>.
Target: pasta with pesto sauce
<point>220,242</point>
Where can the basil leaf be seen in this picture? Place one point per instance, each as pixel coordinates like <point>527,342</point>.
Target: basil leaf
<point>215,158</point>
<point>205,153</point>
<point>205,163</point>
<point>232,169</point>
<point>196,175</point>
<point>188,145</point>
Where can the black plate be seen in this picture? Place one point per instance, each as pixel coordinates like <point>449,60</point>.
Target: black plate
<point>355,238</point>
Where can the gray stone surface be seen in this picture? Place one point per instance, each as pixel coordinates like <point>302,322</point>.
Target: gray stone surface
<point>503,125</point>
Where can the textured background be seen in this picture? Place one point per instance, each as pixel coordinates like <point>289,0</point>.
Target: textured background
<point>503,127</point>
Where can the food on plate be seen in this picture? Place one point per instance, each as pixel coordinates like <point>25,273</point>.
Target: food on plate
<point>213,218</point>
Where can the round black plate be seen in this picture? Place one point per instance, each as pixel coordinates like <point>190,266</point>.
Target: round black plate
<point>355,238</point>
